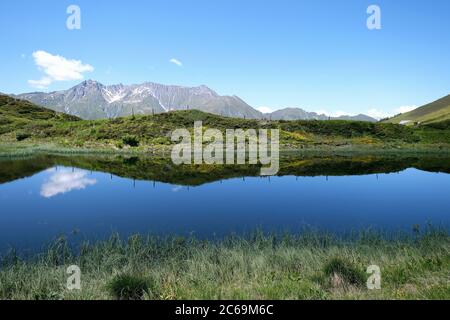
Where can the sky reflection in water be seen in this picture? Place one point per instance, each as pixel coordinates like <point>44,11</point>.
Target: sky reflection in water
<point>60,200</point>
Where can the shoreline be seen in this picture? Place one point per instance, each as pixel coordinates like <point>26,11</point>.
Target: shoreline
<point>12,150</point>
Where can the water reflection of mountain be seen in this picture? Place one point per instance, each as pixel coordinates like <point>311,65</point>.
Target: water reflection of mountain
<point>163,170</point>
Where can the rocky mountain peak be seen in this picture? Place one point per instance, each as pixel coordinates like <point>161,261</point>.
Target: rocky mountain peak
<point>92,100</point>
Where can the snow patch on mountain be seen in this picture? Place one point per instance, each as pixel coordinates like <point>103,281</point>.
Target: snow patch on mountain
<point>112,97</point>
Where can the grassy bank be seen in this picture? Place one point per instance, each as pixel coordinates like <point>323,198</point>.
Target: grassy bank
<point>306,266</point>
<point>11,149</point>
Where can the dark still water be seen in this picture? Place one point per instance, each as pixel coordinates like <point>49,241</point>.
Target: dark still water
<point>43,197</point>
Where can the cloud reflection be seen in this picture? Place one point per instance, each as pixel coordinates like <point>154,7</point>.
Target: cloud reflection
<point>65,181</point>
<point>177,188</point>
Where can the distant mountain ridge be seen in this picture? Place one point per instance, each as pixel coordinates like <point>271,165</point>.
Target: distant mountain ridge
<point>300,114</point>
<point>93,100</point>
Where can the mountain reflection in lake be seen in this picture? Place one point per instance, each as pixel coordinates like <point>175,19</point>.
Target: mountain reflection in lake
<point>46,196</point>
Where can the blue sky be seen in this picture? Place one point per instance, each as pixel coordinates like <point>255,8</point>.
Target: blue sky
<point>318,55</point>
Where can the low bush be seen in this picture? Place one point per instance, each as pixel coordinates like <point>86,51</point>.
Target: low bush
<point>345,270</point>
<point>130,140</point>
<point>130,287</point>
<point>22,136</point>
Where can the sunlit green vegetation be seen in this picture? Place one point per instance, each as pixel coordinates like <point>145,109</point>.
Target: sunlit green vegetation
<point>24,125</point>
<point>434,112</point>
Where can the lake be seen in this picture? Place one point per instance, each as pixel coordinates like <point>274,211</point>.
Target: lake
<point>87,197</point>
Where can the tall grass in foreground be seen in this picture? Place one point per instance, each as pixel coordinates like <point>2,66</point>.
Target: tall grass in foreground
<point>259,266</point>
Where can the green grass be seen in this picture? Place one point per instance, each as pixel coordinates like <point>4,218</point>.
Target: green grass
<point>434,112</point>
<point>131,287</point>
<point>257,266</point>
<point>344,272</point>
<point>24,125</point>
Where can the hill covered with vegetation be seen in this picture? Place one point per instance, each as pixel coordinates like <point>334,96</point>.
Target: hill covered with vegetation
<point>23,124</point>
<point>436,111</point>
<point>16,110</point>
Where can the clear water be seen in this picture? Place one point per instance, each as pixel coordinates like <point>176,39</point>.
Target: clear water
<point>42,198</point>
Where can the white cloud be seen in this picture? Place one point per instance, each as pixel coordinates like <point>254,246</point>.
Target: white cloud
<point>176,61</point>
<point>177,188</point>
<point>404,109</point>
<point>57,68</point>
<point>66,181</point>
<point>42,83</point>
<point>265,109</point>
<point>377,114</point>
<point>336,113</point>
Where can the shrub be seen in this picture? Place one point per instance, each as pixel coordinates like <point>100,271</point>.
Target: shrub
<point>345,270</point>
<point>22,136</point>
<point>162,141</point>
<point>131,287</point>
<point>442,125</point>
<point>119,144</point>
<point>79,143</point>
<point>130,140</point>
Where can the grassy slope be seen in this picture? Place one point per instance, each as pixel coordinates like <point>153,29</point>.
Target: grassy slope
<point>436,111</point>
<point>15,111</point>
<point>33,125</point>
<point>307,266</point>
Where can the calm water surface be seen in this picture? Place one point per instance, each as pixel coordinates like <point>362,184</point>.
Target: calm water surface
<point>44,198</point>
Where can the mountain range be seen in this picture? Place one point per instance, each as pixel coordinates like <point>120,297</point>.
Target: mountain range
<point>300,114</point>
<point>93,100</point>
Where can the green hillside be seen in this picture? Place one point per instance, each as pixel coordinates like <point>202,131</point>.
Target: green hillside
<point>436,111</point>
<point>22,110</point>
<point>23,124</point>
<point>18,114</point>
